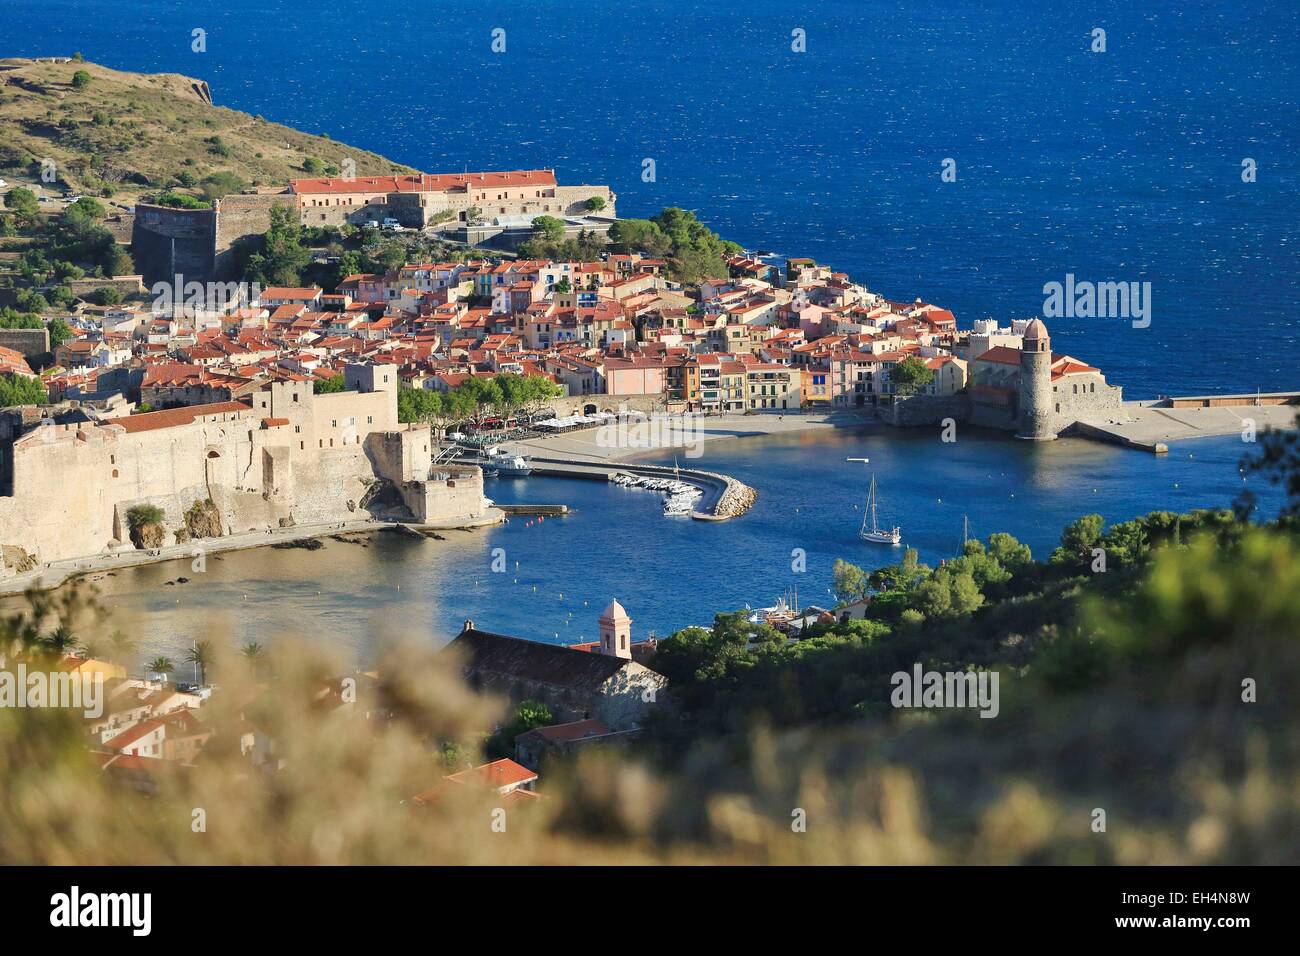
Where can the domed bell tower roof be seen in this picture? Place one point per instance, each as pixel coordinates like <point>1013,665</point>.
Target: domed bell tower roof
<point>615,612</point>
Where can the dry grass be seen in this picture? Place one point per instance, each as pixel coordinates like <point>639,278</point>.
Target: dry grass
<point>158,123</point>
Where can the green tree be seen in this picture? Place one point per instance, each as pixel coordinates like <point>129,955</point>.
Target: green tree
<point>529,715</point>
<point>60,332</point>
<point>1278,461</point>
<point>24,204</point>
<point>910,376</point>
<point>220,184</point>
<point>80,80</point>
<point>161,665</point>
<point>200,655</point>
<point>327,386</point>
<point>548,228</point>
<point>181,201</point>
<point>1009,552</point>
<point>312,166</point>
<point>60,641</point>
<point>21,390</point>
<point>83,213</point>
<point>850,581</point>
<point>1078,540</point>
<point>282,257</point>
<point>595,204</point>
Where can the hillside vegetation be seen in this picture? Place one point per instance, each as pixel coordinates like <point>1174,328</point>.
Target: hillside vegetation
<point>124,135</point>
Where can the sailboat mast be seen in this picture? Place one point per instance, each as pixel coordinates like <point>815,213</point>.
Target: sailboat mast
<point>874,527</point>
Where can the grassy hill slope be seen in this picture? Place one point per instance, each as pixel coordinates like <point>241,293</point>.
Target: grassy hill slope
<point>127,134</point>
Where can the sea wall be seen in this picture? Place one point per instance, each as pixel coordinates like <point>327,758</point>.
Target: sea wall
<point>917,410</point>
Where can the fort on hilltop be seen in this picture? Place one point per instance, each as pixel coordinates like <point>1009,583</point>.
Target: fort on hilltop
<point>478,207</point>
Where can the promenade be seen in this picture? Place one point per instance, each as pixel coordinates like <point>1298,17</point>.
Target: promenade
<point>1151,425</point>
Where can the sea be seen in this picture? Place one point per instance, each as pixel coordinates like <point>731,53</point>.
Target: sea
<point>800,129</point>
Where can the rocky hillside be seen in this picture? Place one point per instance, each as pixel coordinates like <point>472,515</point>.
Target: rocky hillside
<point>129,134</point>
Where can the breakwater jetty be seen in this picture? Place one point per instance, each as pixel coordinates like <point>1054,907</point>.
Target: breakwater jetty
<point>724,497</point>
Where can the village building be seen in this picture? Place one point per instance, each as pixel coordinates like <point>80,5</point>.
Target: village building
<point>608,686</point>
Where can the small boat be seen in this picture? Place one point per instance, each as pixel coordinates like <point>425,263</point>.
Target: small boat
<point>875,533</point>
<point>779,615</point>
<point>508,465</point>
<point>514,466</point>
<point>678,507</point>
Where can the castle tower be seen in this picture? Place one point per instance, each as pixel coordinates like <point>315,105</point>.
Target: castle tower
<point>1035,422</point>
<point>616,632</point>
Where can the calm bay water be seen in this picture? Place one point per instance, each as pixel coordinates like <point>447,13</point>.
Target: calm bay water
<point>669,572</point>
<point>1123,165</point>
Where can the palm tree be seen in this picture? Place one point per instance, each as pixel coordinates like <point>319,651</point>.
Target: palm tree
<point>161,665</point>
<point>59,641</point>
<point>89,648</point>
<point>253,652</point>
<point>124,646</point>
<point>200,656</point>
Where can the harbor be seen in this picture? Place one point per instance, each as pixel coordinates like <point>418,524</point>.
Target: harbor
<point>355,592</point>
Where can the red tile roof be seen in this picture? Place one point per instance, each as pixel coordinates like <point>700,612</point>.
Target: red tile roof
<point>498,774</point>
<point>424,182</point>
<point>171,417</point>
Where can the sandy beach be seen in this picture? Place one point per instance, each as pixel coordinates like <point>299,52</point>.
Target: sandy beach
<point>606,444</point>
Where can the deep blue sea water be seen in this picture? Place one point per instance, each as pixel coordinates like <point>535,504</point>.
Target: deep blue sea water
<point>1123,165</point>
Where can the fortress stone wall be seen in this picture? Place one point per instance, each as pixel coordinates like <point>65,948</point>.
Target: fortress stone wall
<point>289,458</point>
<point>242,216</point>
<point>32,343</point>
<point>166,241</point>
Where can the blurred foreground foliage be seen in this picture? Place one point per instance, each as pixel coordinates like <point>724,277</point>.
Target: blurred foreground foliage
<point>1121,690</point>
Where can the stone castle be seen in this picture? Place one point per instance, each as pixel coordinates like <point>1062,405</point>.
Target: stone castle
<point>289,458</point>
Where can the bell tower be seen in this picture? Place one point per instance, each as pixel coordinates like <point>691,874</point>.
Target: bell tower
<point>616,632</point>
<point>1035,393</point>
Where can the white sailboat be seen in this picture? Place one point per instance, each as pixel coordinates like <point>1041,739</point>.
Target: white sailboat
<point>875,533</point>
